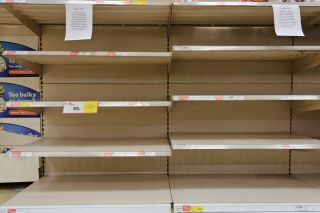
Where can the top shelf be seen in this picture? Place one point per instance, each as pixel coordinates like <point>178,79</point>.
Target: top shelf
<point>235,13</point>
<point>146,12</point>
<point>34,13</point>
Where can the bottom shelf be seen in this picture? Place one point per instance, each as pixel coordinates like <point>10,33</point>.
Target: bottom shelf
<point>99,194</point>
<point>245,193</point>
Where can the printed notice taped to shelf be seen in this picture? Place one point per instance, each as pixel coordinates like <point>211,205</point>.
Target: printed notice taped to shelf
<point>80,107</point>
<point>287,20</point>
<point>78,22</point>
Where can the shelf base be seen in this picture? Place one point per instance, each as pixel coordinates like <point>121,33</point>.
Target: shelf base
<point>101,194</point>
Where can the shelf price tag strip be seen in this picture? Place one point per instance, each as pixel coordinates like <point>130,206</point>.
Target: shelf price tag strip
<point>80,107</point>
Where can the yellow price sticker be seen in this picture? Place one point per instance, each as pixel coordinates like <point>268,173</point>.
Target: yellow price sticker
<point>197,209</point>
<point>91,107</point>
<point>20,104</point>
<point>187,208</point>
<point>26,104</point>
<point>141,2</point>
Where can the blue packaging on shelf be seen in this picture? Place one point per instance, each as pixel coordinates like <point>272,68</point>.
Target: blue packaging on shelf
<point>9,68</point>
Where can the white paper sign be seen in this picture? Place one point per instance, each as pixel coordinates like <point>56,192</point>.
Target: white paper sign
<point>287,20</point>
<point>78,22</point>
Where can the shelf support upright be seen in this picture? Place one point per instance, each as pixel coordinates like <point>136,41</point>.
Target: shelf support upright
<point>30,24</point>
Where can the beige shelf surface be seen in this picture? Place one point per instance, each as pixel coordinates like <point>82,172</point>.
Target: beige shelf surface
<point>230,193</point>
<point>125,147</point>
<point>121,193</point>
<point>243,52</point>
<point>105,11</point>
<point>8,139</point>
<point>242,141</point>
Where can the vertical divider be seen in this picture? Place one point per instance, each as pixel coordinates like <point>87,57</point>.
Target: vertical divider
<point>291,107</point>
<point>41,122</point>
<point>168,98</point>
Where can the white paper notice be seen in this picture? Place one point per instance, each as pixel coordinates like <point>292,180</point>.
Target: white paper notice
<point>287,20</point>
<point>78,22</point>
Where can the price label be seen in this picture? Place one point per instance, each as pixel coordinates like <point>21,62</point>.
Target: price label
<point>187,208</point>
<point>25,104</point>
<point>17,154</point>
<point>80,107</point>
<point>303,208</point>
<point>91,107</point>
<point>19,104</point>
<point>15,1</point>
<point>285,146</point>
<point>140,2</point>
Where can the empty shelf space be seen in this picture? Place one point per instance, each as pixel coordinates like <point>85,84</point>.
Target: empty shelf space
<point>245,97</point>
<point>102,194</point>
<point>233,13</point>
<point>300,103</point>
<point>124,147</point>
<point>57,104</point>
<point>146,12</point>
<point>242,141</point>
<point>243,52</point>
<point>8,139</point>
<point>243,193</point>
<point>312,179</point>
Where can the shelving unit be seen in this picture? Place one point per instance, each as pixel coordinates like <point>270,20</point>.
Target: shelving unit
<point>206,108</point>
<point>121,193</point>
<point>245,193</point>
<point>123,147</point>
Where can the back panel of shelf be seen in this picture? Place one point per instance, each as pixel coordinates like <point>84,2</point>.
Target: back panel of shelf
<point>106,83</point>
<point>229,78</point>
<point>307,123</point>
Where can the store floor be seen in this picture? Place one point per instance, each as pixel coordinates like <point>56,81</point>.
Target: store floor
<point>9,190</point>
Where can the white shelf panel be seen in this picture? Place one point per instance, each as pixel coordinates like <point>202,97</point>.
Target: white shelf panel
<point>243,193</point>
<point>126,147</point>
<point>233,13</point>
<point>56,104</point>
<point>245,97</point>
<point>69,57</point>
<point>243,52</point>
<point>101,194</point>
<point>181,141</point>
